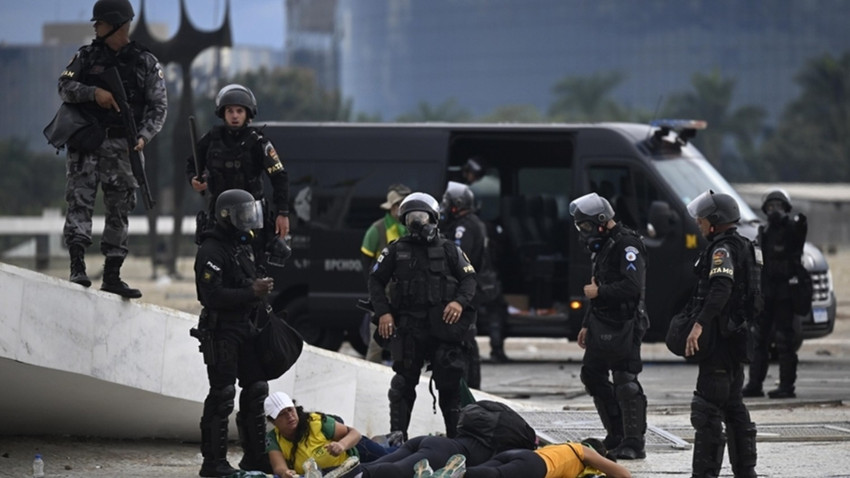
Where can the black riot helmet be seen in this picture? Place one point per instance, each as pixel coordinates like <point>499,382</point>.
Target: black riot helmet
<point>717,208</point>
<point>234,94</point>
<point>591,214</point>
<point>776,195</point>
<point>238,209</point>
<point>473,169</point>
<point>457,198</point>
<point>419,212</point>
<point>113,12</point>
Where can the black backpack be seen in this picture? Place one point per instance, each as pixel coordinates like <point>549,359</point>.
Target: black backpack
<point>752,305</point>
<point>496,426</point>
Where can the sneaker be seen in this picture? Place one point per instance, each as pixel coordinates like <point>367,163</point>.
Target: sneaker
<point>455,468</point>
<point>750,390</point>
<point>422,469</point>
<point>348,465</point>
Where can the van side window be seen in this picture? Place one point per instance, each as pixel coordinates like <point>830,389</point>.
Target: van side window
<point>628,191</point>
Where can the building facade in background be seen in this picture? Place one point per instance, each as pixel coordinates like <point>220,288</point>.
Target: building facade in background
<point>395,54</point>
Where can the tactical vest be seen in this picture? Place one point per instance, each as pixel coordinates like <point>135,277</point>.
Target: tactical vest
<point>605,273</point>
<point>782,250</point>
<point>422,278</point>
<point>99,58</point>
<point>231,164</point>
<point>746,298</point>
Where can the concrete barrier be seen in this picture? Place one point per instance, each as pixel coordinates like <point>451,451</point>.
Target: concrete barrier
<point>83,362</point>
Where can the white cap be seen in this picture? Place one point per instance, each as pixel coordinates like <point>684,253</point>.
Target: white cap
<point>276,402</point>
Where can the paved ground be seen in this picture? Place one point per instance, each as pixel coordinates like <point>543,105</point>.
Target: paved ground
<point>555,386</point>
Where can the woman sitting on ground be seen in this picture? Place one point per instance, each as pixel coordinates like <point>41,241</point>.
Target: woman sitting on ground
<point>565,460</point>
<point>298,436</point>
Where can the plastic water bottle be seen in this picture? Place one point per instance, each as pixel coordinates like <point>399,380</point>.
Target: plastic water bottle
<point>38,467</point>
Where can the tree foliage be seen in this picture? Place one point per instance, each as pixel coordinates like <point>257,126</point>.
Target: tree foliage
<point>449,111</point>
<point>711,100</point>
<point>292,94</point>
<point>587,98</point>
<point>812,141</point>
<point>30,181</point>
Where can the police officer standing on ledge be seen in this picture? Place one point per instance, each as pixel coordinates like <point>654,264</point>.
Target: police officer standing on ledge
<point>107,164</point>
<point>616,293</point>
<point>234,155</point>
<point>717,399</point>
<point>232,294</point>
<point>465,228</point>
<point>425,313</point>
<point>782,242</point>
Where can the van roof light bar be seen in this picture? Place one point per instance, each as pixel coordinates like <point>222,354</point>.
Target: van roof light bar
<point>685,129</point>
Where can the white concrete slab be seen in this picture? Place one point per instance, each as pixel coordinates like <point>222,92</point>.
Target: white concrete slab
<point>83,362</point>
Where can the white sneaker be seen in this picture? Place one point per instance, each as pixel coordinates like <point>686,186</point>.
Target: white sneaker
<point>348,465</point>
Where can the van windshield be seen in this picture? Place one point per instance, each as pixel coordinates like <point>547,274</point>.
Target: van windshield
<point>691,177</point>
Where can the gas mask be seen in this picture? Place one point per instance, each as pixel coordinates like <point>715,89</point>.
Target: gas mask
<point>592,235</point>
<point>419,226</point>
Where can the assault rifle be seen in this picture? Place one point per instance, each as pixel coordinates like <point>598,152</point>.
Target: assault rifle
<point>137,158</point>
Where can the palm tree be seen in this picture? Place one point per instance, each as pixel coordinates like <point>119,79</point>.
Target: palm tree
<point>587,98</point>
<point>711,100</point>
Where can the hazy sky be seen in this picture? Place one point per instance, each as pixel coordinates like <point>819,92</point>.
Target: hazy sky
<point>254,22</point>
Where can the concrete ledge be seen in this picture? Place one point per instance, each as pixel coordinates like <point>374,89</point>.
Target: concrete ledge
<point>83,362</point>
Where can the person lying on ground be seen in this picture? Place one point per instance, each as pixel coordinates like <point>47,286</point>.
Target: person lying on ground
<point>565,460</point>
<point>298,436</point>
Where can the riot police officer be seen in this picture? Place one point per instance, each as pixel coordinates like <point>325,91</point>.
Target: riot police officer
<point>235,155</point>
<point>468,231</point>
<point>721,290</point>
<point>782,241</point>
<point>232,295</point>
<point>616,293</point>
<point>104,161</point>
<point>425,312</point>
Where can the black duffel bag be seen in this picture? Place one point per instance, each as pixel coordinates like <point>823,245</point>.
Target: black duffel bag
<point>680,327</point>
<point>278,345</point>
<point>72,126</point>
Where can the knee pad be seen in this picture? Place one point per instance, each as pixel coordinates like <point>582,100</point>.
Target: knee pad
<point>400,389</point>
<point>592,382</point>
<point>626,385</point>
<point>219,401</point>
<point>252,397</point>
<point>705,416</point>
<point>450,357</point>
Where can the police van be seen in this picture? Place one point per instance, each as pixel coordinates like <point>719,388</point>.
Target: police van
<point>339,174</point>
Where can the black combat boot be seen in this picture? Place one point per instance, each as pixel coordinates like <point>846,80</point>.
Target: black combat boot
<point>497,355</point>
<point>634,427</point>
<point>612,420</point>
<point>251,424</point>
<point>112,279</point>
<point>78,265</point>
<point>214,447</point>
<point>787,377</point>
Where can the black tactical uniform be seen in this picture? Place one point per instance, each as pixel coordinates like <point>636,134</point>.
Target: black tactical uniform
<point>782,242</point>
<point>619,271</point>
<point>722,291</point>
<point>107,164</point>
<point>425,272</point>
<point>226,281</point>
<point>237,159</point>
<point>469,232</point>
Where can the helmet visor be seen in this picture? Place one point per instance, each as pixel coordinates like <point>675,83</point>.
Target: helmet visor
<point>703,205</point>
<point>247,216</point>
<point>585,226</point>
<point>420,217</point>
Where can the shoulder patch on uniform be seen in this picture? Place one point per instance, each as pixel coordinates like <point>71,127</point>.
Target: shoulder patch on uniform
<point>720,254</point>
<point>459,232</point>
<point>631,253</point>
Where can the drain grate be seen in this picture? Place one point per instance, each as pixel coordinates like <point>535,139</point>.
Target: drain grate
<point>787,432</point>
<point>564,426</point>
